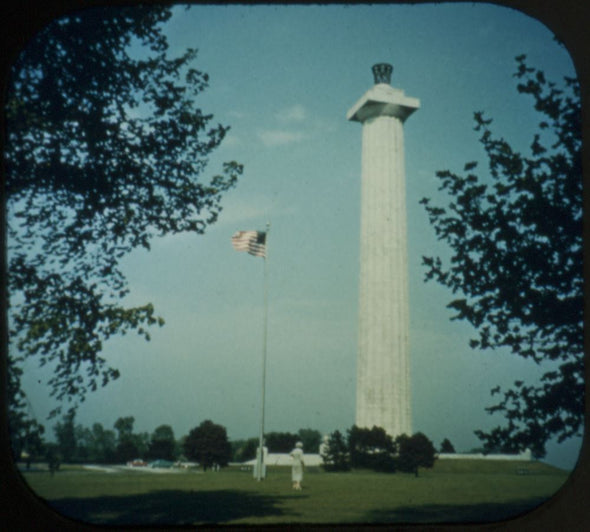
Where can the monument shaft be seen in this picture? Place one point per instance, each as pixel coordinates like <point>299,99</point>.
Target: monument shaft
<point>383,363</point>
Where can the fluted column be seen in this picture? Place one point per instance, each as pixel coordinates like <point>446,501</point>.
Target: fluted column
<point>383,372</point>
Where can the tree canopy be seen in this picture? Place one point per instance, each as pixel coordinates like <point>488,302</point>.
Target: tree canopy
<point>208,445</point>
<point>243,450</point>
<point>280,442</point>
<point>335,453</point>
<point>311,439</point>
<point>371,448</point>
<point>105,150</point>
<point>130,445</point>
<point>446,446</point>
<point>162,443</point>
<point>516,240</point>
<point>413,452</point>
<point>65,434</point>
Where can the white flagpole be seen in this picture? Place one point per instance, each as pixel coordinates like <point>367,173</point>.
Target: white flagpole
<point>260,454</point>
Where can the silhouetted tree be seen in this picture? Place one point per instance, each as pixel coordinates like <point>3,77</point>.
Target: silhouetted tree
<point>446,446</point>
<point>126,451</point>
<point>24,430</point>
<point>281,442</point>
<point>311,439</point>
<point>516,238</point>
<point>129,445</point>
<point>83,444</point>
<point>371,448</point>
<point>32,446</point>
<point>335,455</point>
<point>208,445</point>
<point>105,150</point>
<point>53,457</point>
<point>65,434</point>
<point>103,447</point>
<point>162,444</point>
<point>413,452</point>
<point>124,427</point>
<point>244,450</point>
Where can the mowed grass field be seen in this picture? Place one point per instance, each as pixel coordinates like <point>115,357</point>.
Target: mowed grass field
<point>453,491</point>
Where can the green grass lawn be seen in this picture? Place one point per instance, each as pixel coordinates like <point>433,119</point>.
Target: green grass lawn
<point>453,491</point>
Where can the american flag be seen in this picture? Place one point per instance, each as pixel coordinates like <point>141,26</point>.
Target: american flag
<point>254,242</point>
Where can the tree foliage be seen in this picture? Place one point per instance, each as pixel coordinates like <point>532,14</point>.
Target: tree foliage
<point>26,433</point>
<point>105,150</point>
<point>335,455</point>
<point>162,443</point>
<point>208,445</point>
<point>311,439</point>
<point>53,457</point>
<point>280,442</point>
<point>124,427</point>
<point>371,448</point>
<point>130,445</point>
<point>65,433</point>
<point>447,447</point>
<point>126,448</point>
<point>79,444</point>
<point>103,445</point>
<point>516,241</point>
<point>243,450</point>
<point>413,452</point>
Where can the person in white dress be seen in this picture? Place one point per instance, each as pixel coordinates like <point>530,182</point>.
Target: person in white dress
<point>298,465</point>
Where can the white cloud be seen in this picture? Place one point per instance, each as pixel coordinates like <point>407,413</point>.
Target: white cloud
<point>231,141</point>
<point>279,137</point>
<point>295,113</point>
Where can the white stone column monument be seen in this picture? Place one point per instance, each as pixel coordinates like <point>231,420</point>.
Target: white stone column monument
<point>383,365</point>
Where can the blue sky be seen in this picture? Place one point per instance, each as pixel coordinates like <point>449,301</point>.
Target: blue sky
<point>283,78</point>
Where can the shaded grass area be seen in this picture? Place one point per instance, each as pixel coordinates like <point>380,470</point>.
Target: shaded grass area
<point>164,507</point>
<point>451,492</point>
<point>459,513</point>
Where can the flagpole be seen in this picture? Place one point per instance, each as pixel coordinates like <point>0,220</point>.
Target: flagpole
<point>260,457</point>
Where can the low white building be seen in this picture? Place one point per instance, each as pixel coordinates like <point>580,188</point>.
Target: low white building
<point>523,456</point>
<point>315,459</point>
<point>284,459</point>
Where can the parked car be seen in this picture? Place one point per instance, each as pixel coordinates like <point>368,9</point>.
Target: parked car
<point>138,462</point>
<point>161,463</point>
